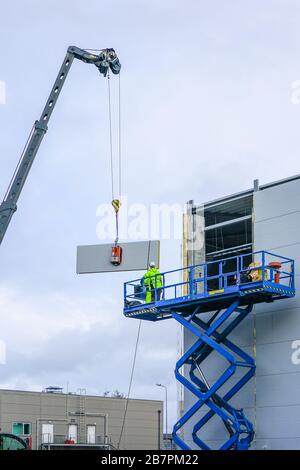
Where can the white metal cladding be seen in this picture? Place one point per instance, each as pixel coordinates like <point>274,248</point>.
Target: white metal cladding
<point>272,400</point>
<point>277,228</point>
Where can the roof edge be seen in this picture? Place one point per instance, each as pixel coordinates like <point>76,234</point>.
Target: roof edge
<point>248,192</point>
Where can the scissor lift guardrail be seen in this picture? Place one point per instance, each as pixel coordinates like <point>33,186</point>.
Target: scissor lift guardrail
<point>228,289</point>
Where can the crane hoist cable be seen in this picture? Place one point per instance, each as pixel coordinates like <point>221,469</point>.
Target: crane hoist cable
<point>116,254</point>
<point>120,141</point>
<point>110,138</point>
<point>130,382</point>
<point>133,365</point>
<point>111,145</point>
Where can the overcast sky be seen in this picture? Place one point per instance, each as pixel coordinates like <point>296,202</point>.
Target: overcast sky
<point>206,108</point>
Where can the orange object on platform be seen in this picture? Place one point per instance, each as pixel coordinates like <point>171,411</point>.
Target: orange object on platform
<point>276,265</point>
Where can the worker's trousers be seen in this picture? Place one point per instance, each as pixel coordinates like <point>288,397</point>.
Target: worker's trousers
<point>152,295</point>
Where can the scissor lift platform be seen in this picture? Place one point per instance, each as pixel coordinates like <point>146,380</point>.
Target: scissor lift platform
<point>228,289</point>
<point>192,289</point>
<point>257,292</point>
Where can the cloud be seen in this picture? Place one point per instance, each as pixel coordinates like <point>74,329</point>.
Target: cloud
<point>58,339</point>
<point>205,109</point>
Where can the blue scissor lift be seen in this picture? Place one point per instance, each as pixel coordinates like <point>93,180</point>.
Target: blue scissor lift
<point>210,300</point>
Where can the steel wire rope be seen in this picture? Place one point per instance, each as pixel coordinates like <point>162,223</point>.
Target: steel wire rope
<point>133,365</point>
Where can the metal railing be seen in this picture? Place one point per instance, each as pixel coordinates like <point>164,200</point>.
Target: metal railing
<point>221,275</point>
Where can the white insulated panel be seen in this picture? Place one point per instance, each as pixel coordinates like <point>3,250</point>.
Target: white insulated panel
<point>135,257</point>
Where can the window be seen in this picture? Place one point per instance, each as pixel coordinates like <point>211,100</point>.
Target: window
<point>228,211</point>
<point>91,434</point>
<point>27,429</point>
<point>47,433</point>
<point>229,236</point>
<point>228,233</point>
<point>228,228</point>
<point>21,429</point>
<point>17,429</point>
<point>72,434</point>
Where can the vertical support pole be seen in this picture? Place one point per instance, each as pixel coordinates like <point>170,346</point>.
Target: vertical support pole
<point>106,429</point>
<point>184,253</point>
<point>205,280</point>
<point>220,275</point>
<point>158,429</point>
<point>238,267</point>
<point>125,291</point>
<point>263,265</point>
<point>191,281</point>
<point>293,274</point>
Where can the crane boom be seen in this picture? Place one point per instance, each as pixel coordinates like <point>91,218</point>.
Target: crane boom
<point>104,61</point>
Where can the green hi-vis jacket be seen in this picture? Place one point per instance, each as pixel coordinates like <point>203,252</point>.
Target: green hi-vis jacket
<point>153,279</point>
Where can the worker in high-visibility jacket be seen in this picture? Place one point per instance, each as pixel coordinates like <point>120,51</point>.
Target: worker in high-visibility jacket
<point>152,281</point>
<point>257,274</point>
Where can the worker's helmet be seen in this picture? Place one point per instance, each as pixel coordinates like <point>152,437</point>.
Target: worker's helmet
<point>152,264</point>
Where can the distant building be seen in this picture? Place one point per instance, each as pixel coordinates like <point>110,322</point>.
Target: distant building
<point>53,419</point>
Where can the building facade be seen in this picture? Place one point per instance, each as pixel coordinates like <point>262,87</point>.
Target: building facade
<point>262,218</point>
<point>56,420</point>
